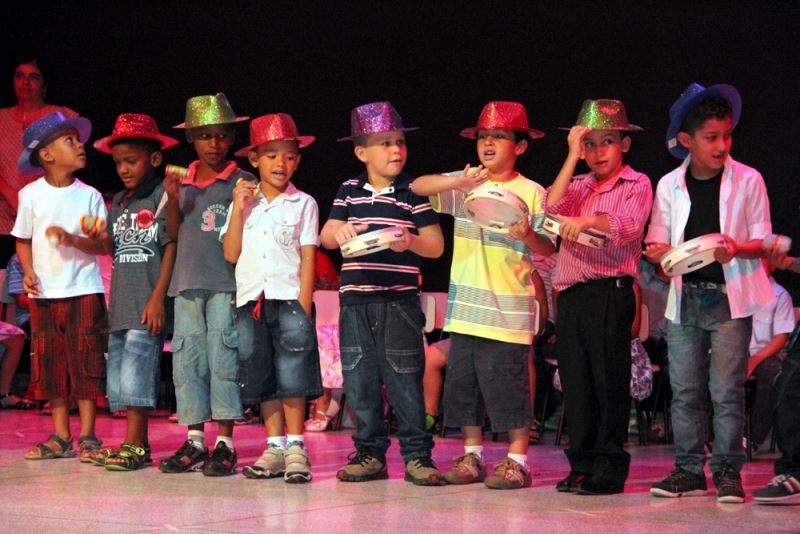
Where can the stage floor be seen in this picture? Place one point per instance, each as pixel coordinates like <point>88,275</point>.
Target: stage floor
<point>64,495</point>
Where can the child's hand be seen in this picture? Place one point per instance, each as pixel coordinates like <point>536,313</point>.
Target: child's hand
<point>403,243</point>
<point>30,283</point>
<point>153,316</point>
<point>575,140</point>
<point>520,229</point>
<point>58,236</point>
<point>471,178</point>
<point>243,192</point>
<point>571,227</point>
<point>172,186</point>
<point>726,252</point>
<point>778,258</point>
<point>655,251</point>
<point>348,231</point>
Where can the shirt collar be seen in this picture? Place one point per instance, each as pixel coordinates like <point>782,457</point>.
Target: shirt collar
<point>292,194</point>
<point>224,176</point>
<point>145,189</point>
<point>401,182</point>
<point>626,173</point>
<point>680,183</point>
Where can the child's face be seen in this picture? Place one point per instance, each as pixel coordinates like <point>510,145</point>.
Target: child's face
<point>603,150</point>
<point>384,154</point>
<point>498,151</point>
<point>134,163</point>
<point>276,162</point>
<point>28,83</point>
<point>709,146</point>
<point>65,151</point>
<point>212,143</point>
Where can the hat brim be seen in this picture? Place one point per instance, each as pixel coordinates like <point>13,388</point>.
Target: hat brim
<point>80,124</point>
<point>728,92</point>
<point>182,126</point>
<point>471,133</point>
<point>351,137</point>
<point>104,144</point>
<point>302,142</point>
<point>630,128</point>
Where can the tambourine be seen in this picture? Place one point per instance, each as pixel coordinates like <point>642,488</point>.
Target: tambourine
<point>370,242</point>
<point>586,237</point>
<point>692,255</point>
<point>494,208</point>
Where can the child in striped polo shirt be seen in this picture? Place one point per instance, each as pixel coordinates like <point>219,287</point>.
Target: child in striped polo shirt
<point>380,322</point>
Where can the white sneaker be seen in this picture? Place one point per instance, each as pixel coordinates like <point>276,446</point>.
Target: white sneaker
<point>298,466</point>
<point>270,465</point>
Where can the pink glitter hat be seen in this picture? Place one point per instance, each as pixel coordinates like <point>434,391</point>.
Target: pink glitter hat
<point>135,126</point>
<point>377,117</point>
<point>274,127</point>
<point>503,116</point>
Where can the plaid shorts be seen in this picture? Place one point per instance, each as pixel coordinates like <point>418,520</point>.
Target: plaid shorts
<point>69,340</point>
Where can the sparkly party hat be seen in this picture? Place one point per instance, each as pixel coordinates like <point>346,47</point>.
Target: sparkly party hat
<point>42,131</point>
<point>503,116</point>
<point>377,117</point>
<point>604,114</point>
<point>207,110</point>
<point>134,126</point>
<point>274,127</point>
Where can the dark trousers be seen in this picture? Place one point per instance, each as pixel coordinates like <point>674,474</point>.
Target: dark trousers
<point>594,360</point>
<point>787,421</point>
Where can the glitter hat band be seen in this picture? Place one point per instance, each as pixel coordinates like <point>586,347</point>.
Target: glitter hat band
<point>274,127</point>
<point>377,117</point>
<point>134,126</point>
<point>604,114</point>
<point>503,116</point>
<point>40,132</point>
<point>208,110</point>
<point>691,96</point>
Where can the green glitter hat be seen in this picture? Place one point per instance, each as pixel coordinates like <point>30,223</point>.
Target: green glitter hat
<point>604,114</point>
<point>208,110</point>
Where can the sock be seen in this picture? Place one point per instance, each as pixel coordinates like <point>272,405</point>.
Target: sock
<point>278,441</point>
<point>521,459</point>
<point>294,438</point>
<point>477,450</point>
<point>227,440</point>
<point>198,438</point>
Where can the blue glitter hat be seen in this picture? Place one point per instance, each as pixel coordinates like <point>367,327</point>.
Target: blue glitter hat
<point>691,96</point>
<point>40,132</point>
<point>377,117</point>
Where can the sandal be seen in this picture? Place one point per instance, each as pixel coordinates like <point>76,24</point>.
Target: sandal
<point>89,447</point>
<point>43,451</point>
<point>21,404</point>
<point>98,457</point>
<point>128,458</point>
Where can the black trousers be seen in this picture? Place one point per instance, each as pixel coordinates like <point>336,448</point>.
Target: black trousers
<point>787,421</point>
<point>594,360</point>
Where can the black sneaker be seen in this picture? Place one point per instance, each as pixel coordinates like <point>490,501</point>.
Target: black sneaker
<point>729,485</point>
<point>680,483</point>
<point>781,489</point>
<point>187,458</point>
<point>222,461</point>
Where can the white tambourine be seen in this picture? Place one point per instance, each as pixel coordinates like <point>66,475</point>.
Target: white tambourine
<point>692,255</point>
<point>586,237</point>
<point>370,242</point>
<point>494,208</point>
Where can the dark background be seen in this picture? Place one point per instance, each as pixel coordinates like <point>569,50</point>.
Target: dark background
<point>438,62</point>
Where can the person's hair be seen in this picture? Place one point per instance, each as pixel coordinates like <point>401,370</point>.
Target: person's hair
<point>30,56</point>
<point>361,140</point>
<point>521,136</point>
<point>715,107</point>
<point>148,145</point>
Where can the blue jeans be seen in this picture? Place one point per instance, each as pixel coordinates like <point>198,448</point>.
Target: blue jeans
<point>133,368</point>
<point>381,343</point>
<point>204,357</point>
<point>694,370</point>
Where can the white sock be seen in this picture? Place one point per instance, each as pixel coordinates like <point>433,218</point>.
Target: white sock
<point>521,459</point>
<point>294,438</point>
<point>227,440</point>
<point>477,450</point>
<point>198,438</point>
<point>278,441</point>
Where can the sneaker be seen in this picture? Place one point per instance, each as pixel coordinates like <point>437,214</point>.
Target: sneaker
<point>187,458</point>
<point>571,483</point>
<point>729,485</point>
<point>467,469</point>
<point>680,483</point>
<point>423,472</point>
<point>271,464</point>
<point>222,461</point>
<point>509,474</point>
<point>298,466</point>
<point>362,466</point>
<point>782,488</point>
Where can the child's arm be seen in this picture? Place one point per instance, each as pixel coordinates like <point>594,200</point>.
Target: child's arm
<point>30,281</point>
<point>428,244</point>
<point>232,240</point>
<point>561,184</point>
<point>172,187</point>
<point>153,313</point>
<point>84,244</point>
<point>102,237</point>
<point>540,294</point>
<point>335,232</point>
<point>308,255</point>
<point>433,184</point>
<point>771,349</point>
<point>540,244</point>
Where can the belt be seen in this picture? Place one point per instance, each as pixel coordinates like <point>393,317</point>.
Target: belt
<point>708,286</point>
<point>622,281</point>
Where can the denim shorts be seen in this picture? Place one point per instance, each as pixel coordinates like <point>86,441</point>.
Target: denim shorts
<point>487,375</point>
<point>134,358</point>
<point>204,357</point>
<point>278,356</point>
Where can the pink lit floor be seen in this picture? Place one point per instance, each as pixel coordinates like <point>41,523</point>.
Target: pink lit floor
<point>66,496</point>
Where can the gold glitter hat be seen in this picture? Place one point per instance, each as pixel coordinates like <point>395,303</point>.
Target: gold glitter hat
<point>207,110</point>
<point>604,114</point>
<point>502,116</point>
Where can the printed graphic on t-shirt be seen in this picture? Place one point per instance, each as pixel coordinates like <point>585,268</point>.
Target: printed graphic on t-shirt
<point>134,237</point>
<point>214,218</point>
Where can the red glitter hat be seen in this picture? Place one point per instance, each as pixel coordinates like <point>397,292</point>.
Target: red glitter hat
<point>134,126</point>
<point>503,116</point>
<point>274,127</point>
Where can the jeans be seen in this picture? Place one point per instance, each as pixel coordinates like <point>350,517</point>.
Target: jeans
<point>204,357</point>
<point>694,370</point>
<point>381,343</point>
<point>787,422</point>
<point>134,358</point>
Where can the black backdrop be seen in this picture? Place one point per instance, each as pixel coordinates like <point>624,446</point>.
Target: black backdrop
<point>438,62</point>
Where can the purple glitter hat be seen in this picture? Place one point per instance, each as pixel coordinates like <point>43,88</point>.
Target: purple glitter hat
<point>377,117</point>
<point>40,132</point>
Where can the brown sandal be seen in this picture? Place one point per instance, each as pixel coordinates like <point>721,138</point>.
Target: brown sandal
<point>43,451</point>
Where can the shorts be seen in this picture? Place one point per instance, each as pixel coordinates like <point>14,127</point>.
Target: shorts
<point>134,368</point>
<point>69,339</point>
